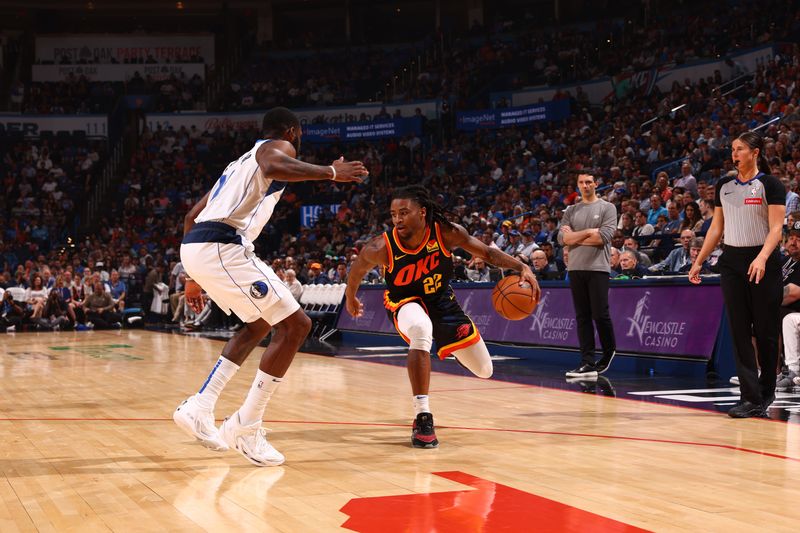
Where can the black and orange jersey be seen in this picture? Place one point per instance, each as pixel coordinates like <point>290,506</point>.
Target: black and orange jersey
<point>424,273</point>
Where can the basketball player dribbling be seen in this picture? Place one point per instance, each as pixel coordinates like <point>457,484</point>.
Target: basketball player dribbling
<point>418,266</point>
<point>217,253</point>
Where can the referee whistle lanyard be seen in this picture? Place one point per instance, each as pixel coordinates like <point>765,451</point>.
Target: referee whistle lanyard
<point>748,182</point>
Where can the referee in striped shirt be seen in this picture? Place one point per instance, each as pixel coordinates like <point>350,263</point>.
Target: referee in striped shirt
<point>749,210</point>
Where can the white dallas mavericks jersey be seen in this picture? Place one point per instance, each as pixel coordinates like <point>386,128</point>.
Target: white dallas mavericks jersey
<point>243,197</point>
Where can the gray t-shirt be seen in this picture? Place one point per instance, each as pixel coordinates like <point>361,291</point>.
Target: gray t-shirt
<point>581,216</point>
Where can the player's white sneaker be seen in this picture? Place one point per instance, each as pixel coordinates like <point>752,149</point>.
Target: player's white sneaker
<point>250,441</point>
<point>199,423</point>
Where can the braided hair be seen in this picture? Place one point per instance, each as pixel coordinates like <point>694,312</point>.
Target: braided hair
<point>419,194</point>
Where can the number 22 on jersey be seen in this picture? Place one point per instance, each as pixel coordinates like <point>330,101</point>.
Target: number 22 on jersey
<point>432,284</point>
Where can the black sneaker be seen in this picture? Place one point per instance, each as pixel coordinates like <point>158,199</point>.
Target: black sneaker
<point>767,403</point>
<point>422,432</point>
<point>583,371</point>
<point>605,362</point>
<point>747,410</point>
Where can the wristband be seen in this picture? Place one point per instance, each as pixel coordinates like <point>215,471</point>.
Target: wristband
<point>334,173</point>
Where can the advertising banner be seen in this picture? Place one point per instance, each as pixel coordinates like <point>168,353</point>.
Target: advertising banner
<point>357,131</point>
<point>354,131</point>
<point>512,116</point>
<point>310,213</point>
<point>56,73</point>
<point>628,82</point>
<point>32,125</point>
<point>659,319</point>
<point>124,47</point>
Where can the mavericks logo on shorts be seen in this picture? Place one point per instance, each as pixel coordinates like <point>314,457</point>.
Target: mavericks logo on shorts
<point>259,289</point>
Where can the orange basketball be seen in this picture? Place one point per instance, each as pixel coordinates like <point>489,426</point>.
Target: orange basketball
<point>512,300</point>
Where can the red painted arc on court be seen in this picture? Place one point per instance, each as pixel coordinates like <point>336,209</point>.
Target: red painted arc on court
<point>485,507</point>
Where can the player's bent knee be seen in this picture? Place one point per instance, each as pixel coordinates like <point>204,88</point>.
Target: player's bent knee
<point>295,327</point>
<point>476,359</point>
<point>258,328</point>
<point>414,323</point>
<point>420,335</point>
<point>482,369</point>
<point>485,371</point>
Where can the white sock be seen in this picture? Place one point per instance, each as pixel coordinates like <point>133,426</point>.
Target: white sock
<point>220,375</point>
<point>252,409</point>
<point>421,404</point>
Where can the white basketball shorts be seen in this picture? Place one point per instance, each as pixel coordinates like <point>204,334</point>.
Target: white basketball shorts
<point>237,280</point>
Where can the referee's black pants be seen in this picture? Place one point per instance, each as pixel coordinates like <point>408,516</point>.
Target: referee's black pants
<point>590,298</point>
<point>753,311</point>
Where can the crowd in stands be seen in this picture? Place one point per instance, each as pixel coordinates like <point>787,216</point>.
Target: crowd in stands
<point>78,95</point>
<point>312,79</point>
<point>516,54</point>
<point>507,55</point>
<point>45,185</point>
<point>508,187</point>
<point>503,56</point>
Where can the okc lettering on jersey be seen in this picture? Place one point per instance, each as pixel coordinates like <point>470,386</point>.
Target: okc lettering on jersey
<point>415,271</point>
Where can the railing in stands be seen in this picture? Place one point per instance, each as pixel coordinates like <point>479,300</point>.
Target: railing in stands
<point>102,186</point>
<point>432,53</point>
<point>221,77</point>
<point>118,143</point>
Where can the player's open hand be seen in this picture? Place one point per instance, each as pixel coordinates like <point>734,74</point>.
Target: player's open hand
<point>194,295</point>
<point>526,275</point>
<point>354,306</point>
<point>349,171</point>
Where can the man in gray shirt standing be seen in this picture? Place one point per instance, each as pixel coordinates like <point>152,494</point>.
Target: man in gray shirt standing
<point>586,231</point>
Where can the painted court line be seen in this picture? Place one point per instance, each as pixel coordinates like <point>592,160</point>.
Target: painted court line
<point>463,428</point>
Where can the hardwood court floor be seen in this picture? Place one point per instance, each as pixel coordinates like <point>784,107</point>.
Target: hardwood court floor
<point>87,444</point>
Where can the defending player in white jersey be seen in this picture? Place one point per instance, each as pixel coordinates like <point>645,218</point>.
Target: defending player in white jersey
<point>217,253</point>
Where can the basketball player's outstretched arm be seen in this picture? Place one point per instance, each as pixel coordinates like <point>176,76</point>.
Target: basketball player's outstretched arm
<point>373,254</point>
<point>457,237</point>
<point>278,161</point>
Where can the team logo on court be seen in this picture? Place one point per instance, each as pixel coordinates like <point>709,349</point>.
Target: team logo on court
<point>259,289</point>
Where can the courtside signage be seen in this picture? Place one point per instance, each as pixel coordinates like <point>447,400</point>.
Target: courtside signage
<point>665,320</point>
<point>31,126</point>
